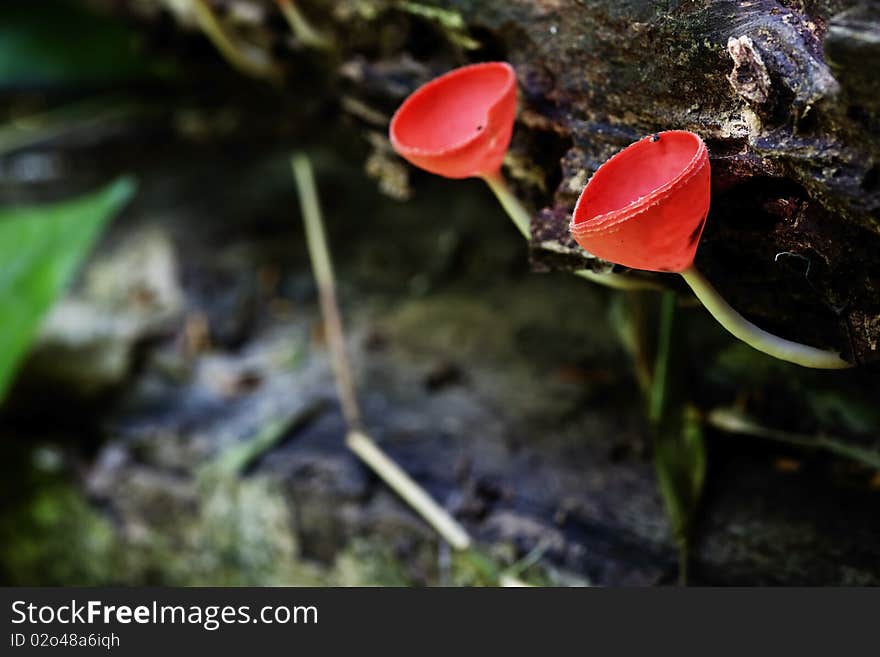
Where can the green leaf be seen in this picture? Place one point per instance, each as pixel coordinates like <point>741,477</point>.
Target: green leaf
<point>41,247</point>
<point>56,42</point>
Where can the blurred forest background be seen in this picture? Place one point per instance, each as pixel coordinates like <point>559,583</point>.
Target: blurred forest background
<point>167,408</point>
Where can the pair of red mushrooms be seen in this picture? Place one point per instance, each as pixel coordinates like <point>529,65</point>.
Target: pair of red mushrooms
<point>645,208</point>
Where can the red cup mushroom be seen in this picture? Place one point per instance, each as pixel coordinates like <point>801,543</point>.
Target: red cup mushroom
<point>645,208</point>
<point>459,125</point>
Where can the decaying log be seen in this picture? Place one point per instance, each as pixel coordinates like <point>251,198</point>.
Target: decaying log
<point>785,94</point>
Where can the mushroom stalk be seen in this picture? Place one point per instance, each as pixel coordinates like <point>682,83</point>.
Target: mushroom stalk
<point>522,219</point>
<point>514,209</point>
<point>740,327</point>
<point>618,281</point>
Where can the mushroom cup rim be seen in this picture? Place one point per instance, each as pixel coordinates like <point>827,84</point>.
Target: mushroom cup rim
<point>608,220</point>
<point>438,81</point>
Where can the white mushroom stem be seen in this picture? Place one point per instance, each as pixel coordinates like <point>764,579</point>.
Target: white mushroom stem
<point>740,327</point>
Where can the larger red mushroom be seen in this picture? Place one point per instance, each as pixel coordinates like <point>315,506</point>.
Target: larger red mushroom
<point>645,208</point>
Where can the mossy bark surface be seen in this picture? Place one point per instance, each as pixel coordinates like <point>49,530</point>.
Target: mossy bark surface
<point>784,93</point>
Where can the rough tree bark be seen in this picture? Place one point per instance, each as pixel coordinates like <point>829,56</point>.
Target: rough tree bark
<point>785,94</point>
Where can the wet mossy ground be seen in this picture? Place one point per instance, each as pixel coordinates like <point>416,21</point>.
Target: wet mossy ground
<point>219,459</point>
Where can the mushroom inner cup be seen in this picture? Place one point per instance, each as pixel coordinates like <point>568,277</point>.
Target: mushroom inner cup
<point>636,172</point>
<point>451,110</point>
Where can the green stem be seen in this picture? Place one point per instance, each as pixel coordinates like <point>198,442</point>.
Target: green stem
<point>628,317</point>
<point>413,494</point>
<point>300,27</point>
<point>249,63</point>
<point>358,441</point>
<point>34,129</point>
<point>522,219</point>
<point>731,421</point>
<point>678,459</point>
<point>684,558</point>
<point>740,327</point>
<point>618,281</point>
<point>660,382</point>
<point>322,266</point>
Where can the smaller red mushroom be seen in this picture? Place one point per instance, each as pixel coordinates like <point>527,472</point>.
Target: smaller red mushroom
<point>459,125</point>
<point>646,207</point>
